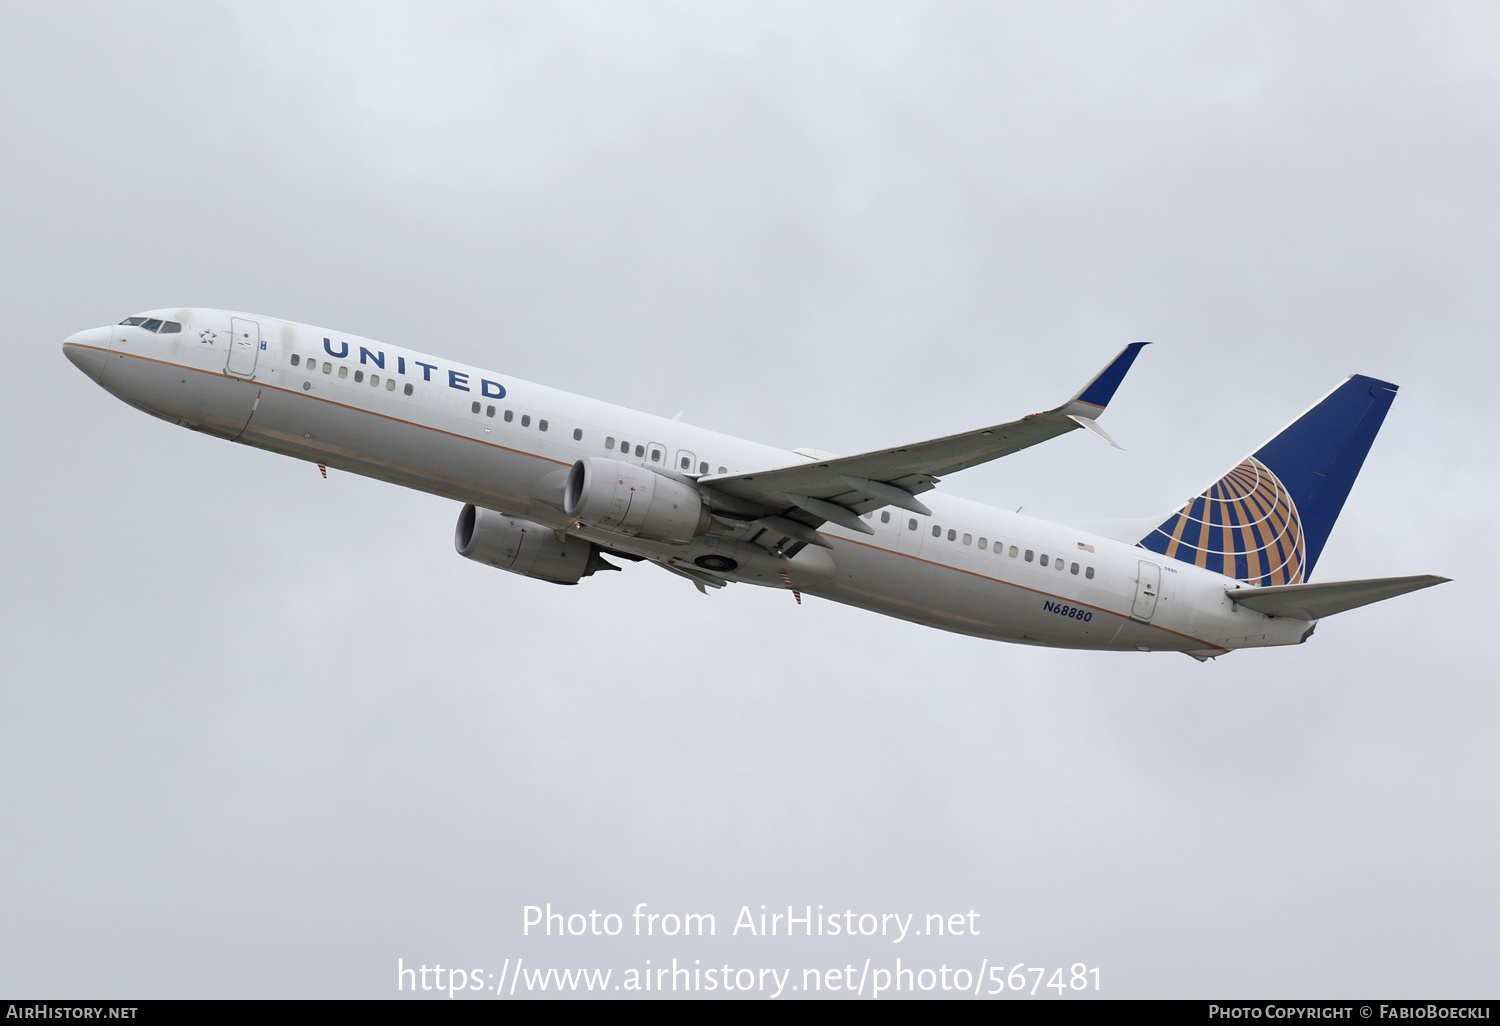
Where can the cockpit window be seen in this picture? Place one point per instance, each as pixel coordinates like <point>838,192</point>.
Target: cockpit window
<point>153,324</point>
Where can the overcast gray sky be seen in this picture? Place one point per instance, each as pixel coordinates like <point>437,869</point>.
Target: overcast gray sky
<point>262,734</point>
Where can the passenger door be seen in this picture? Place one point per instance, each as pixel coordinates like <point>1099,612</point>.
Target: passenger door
<point>1147,587</point>
<point>244,347</point>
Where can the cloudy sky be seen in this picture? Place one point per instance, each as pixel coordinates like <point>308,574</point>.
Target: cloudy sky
<point>263,734</point>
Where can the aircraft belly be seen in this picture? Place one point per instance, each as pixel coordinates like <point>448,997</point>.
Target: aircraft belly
<point>389,449</point>
<point>212,403</point>
<point>940,596</point>
<point>1195,605</point>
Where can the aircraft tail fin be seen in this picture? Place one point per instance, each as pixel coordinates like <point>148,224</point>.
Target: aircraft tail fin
<point>1266,521</point>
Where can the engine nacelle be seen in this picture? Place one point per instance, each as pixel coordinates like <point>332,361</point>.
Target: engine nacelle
<point>629,499</point>
<point>522,547</point>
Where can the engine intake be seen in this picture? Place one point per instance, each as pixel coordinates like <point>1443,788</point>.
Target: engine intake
<point>525,548</point>
<point>629,499</point>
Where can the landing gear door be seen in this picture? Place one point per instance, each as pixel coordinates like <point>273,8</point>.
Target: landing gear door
<point>244,347</point>
<point>1147,587</point>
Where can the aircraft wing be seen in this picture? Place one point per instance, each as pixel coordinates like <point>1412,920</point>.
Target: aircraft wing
<point>1314,601</point>
<point>839,489</point>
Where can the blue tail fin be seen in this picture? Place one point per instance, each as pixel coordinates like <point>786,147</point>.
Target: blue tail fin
<point>1265,522</point>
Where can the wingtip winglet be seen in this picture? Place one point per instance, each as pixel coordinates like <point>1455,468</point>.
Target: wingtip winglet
<point>1101,389</point>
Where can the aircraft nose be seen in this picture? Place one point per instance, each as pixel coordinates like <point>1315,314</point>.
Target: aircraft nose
<point>87,351</point>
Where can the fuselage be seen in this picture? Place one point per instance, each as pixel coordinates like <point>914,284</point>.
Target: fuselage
<point>483,437</point>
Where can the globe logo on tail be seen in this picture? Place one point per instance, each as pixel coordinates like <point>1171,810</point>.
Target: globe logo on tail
<point>1244,526</point>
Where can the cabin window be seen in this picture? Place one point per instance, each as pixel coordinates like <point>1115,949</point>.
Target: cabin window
<point>489,411</point>
<point>374,380</point>
<point>885,518</point>
<point>1014,552</point>
<point>640,450</point>
<point>359,375</point>
<point>390,384</point>
<point>609,442</point>
<point>703,468</point>
<point>578,434</point>
<point>911,525</point>
<point>687,464</point>
<point>723,470</point>
<point>343,372</point>
<point>952,534</point>
<point>296,359</point>
<point>1073,570</point>
<point>327,367</point>
<point>968,538</point>
<point>1042,561</point>
<point>1089,573</point>
<point>982,544</point>
<point>624,447</point>
<point>408,391</point>
<point>526,420</point>
<point>655,455</point>
<point>509,416</point>
<point>474,407</point>
<point>937,532</point>
<point>541,425</point>
<point>312,365</point>
<point>1030,555</point>
<point>1061,564</point>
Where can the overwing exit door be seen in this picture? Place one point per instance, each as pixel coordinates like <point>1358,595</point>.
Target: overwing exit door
<point>244,347</point>
<point>1147,586</point>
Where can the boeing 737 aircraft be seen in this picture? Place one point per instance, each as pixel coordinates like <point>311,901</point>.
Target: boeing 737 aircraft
<point>551,483</point>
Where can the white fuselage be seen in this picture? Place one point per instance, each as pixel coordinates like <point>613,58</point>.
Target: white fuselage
<point>408,418</point>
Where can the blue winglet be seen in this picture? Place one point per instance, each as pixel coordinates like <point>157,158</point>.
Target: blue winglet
<point>1102,389</point>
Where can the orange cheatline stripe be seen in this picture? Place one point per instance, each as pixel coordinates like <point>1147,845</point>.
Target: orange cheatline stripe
<point>307,395</point>
<point>304,395</point>
<point>1022,587</point>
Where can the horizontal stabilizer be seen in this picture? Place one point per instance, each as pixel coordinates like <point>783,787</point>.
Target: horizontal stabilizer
<point>1314,601</point>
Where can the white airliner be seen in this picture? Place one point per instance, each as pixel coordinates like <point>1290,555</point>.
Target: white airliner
<point>552,482</point>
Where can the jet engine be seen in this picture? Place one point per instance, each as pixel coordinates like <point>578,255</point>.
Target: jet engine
<point>525,548</point>
<point>616,496</point>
